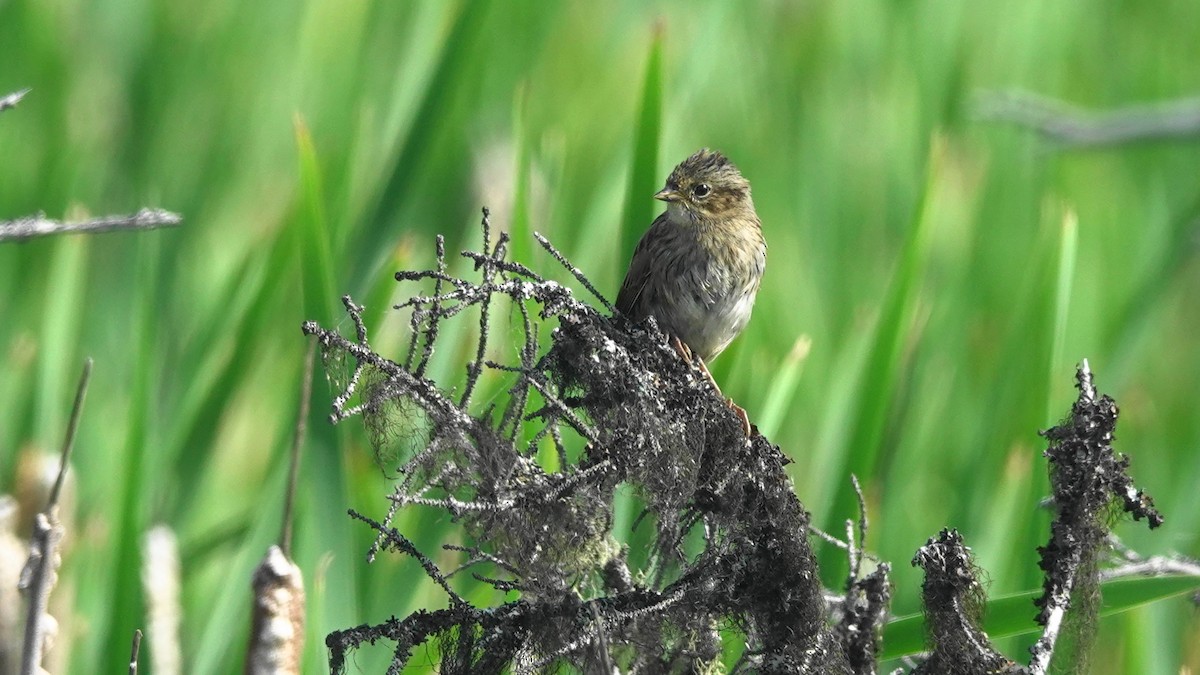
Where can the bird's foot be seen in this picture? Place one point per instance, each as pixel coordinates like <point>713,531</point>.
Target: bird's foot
<point>737,409</point>
<point>691,359</point>
<point>681,347</point>
<point>707,374</point>
<point>750,429</point>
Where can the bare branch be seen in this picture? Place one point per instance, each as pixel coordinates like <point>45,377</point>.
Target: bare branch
<point>1130,563</point>
<point>41,570</point>
<point>72,427</point>
<point>575,271</point>
<point>1069,126</point>
<point>40,226</point>
<point>403,544</point>
<point>285,536</point>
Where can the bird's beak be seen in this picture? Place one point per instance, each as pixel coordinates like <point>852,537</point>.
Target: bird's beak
<point>667,194</point>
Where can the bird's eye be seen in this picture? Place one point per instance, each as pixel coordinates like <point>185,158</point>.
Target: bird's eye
<point>701,190</point>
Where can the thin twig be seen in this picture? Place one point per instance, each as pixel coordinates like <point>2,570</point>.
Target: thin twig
<point>489,270</point>
<point>1130,563</point>
<point>564,411</point>
<point>601,639</point>
<point>40,226</point>
<point>431,330</point>
<point>402,544</point>
<point>133,652</point>
<point>480,555</point>
<point>72,427</point>
<point>40,571</point>
<point>856,556</point>
<point>575,271</point>
<point>853,556</point>
<point>11,100</point>
<point>828,538</point>
<point>1087,386</point>
<point>1154,566</point>
<point>285,537</point>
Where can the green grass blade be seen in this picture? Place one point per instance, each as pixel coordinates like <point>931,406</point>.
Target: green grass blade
<point>639,208</point>
<point>783,386</point>
<point>1068,252</point>
<point>315,254</point>
<point>520,227</point>
<point>220,640</point>
<point>59,331</point>
<point>447,79</point>
<point>137,486</point>
<point>884,362</point>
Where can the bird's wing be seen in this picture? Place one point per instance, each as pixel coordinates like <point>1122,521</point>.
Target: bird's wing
<point>640,268</point>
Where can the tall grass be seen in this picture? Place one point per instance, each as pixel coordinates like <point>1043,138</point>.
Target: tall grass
<point>315,147</point>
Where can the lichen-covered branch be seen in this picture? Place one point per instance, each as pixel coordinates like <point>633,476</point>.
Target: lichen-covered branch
<point>729,544</point>
<point>621,408</point>
<point>1090,482</point>
<point>954,600</point>
<point>862,609</point>
<point>1087,477</point>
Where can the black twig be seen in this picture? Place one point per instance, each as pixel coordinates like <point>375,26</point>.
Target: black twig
<point>402,544</point>
<point>478,555</point>
<point>434,315</point>
<point>575,271</point>
<point>488,265</point>
<point>561,409</point>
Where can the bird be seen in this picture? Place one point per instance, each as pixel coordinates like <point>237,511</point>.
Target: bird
<point>697,270</point>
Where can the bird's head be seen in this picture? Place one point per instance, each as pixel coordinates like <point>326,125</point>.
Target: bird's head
<point>706,187</point>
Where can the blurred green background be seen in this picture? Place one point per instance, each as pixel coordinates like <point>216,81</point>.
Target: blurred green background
<point>316,147</point>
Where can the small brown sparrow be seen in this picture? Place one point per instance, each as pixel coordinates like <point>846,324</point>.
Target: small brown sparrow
<point>698,268</point>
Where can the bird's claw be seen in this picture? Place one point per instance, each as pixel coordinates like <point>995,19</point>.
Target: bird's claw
<point>750,429</point>
<point>681,347</point>
<point>692,360</point>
